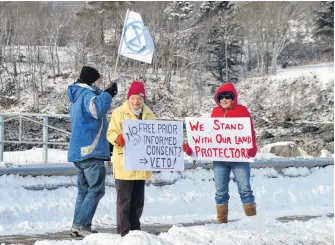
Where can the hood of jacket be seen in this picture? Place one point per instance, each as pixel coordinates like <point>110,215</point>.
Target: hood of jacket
<point>77,89</point>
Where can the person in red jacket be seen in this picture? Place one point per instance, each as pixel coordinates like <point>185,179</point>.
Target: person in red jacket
<point>227,106</point>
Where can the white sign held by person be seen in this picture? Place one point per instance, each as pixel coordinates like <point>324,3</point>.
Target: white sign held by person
<point>220,139</point>
<point>153,145</point>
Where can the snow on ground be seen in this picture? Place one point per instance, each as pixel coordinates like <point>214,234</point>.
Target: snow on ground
<point>264,152</point>
<point>322,71</point>
<point>35,156</point>
<point>299,91</point>
<point>190,199</point>
<point>252,230</point>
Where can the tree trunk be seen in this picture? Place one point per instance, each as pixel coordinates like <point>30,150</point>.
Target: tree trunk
<point>102,35</point>
<point>274,63</point>
<point>40,64</point>
<point>1,53</point>
<point>258,63</point>
<point>267,58</point>
<point>249,57</point>
<point>18,82</point>
<point>262,64</point>
<point>14,68</point>
<point>57,59</point>
<point>52,62</point>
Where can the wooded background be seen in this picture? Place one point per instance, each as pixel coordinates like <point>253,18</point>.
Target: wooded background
<point>191,38</point>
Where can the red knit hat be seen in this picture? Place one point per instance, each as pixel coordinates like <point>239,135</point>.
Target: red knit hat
<point>136,87</point>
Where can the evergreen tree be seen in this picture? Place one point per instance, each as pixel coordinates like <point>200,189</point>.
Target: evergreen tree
<point>223,46</point>
<point>325,20</point>
<point>325,26</point>
<point>209,9</point>
<point>103,16</point>
<point>179,11</point>
<point>177,33</point>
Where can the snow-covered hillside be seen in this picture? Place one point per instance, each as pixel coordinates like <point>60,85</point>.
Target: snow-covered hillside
<point>295,105</point>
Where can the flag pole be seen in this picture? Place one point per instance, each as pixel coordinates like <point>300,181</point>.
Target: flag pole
<point>118,52</point>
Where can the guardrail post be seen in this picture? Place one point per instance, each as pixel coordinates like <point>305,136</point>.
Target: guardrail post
<point>2,136</point>
<point>20,128</point>
<point>45,139</point>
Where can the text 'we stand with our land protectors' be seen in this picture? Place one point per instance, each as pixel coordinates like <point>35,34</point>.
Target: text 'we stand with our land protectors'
<point>153,145</point>
<point>220,139</point>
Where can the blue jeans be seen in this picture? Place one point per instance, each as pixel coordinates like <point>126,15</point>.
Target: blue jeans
<point>91,188</point>
<point>241,171</point>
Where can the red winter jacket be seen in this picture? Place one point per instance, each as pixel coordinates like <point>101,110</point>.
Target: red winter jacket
<point>235,110</point>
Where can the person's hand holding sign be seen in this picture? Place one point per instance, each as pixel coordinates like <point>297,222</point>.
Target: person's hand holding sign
<point>120,140</point>
<point>252,151</point>
<point>187,149</point>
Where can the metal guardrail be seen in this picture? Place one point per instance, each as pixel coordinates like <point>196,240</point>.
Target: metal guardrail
<point>26,116</point>
<point>68,169</point>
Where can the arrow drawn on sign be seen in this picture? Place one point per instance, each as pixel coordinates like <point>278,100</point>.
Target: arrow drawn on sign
<point>143,160</point>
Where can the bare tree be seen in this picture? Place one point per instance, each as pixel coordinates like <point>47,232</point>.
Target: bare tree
<point>283,14</point>
<point>55,20</point>
<point>268,25</point>
<point>92,33</point>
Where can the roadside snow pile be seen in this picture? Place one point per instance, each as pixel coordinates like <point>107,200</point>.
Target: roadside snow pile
<point>260,229</point>
<point>284,149</point>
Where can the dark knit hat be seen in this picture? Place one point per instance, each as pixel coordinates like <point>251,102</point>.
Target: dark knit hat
<point>136,87</point>
<point>89,75</point>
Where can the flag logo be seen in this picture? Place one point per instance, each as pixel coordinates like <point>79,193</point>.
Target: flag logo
<point>134,37</point>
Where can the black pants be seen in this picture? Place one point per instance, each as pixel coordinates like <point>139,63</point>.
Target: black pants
<point>129,205</point>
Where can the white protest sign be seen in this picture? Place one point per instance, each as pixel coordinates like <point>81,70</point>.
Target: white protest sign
<point>153,145</point>
<point>220,139</point>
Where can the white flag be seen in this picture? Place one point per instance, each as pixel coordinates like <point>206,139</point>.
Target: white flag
<point>136,42</point>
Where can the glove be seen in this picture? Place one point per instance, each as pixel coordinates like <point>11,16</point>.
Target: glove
<point>252,152</point>
<point>112,90</point>
<point>120,140</point>
<point>187,149</point>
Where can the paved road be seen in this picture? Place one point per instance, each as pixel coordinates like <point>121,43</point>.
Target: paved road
<point>153,229</point>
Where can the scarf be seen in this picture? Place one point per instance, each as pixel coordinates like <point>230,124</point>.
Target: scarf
<point>136,112</point>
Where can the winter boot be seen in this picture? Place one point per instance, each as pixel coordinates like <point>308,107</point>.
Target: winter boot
<point>222,213</point>
<point>249,209</point>
<point>81,231</point>
<point>94,231</point>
